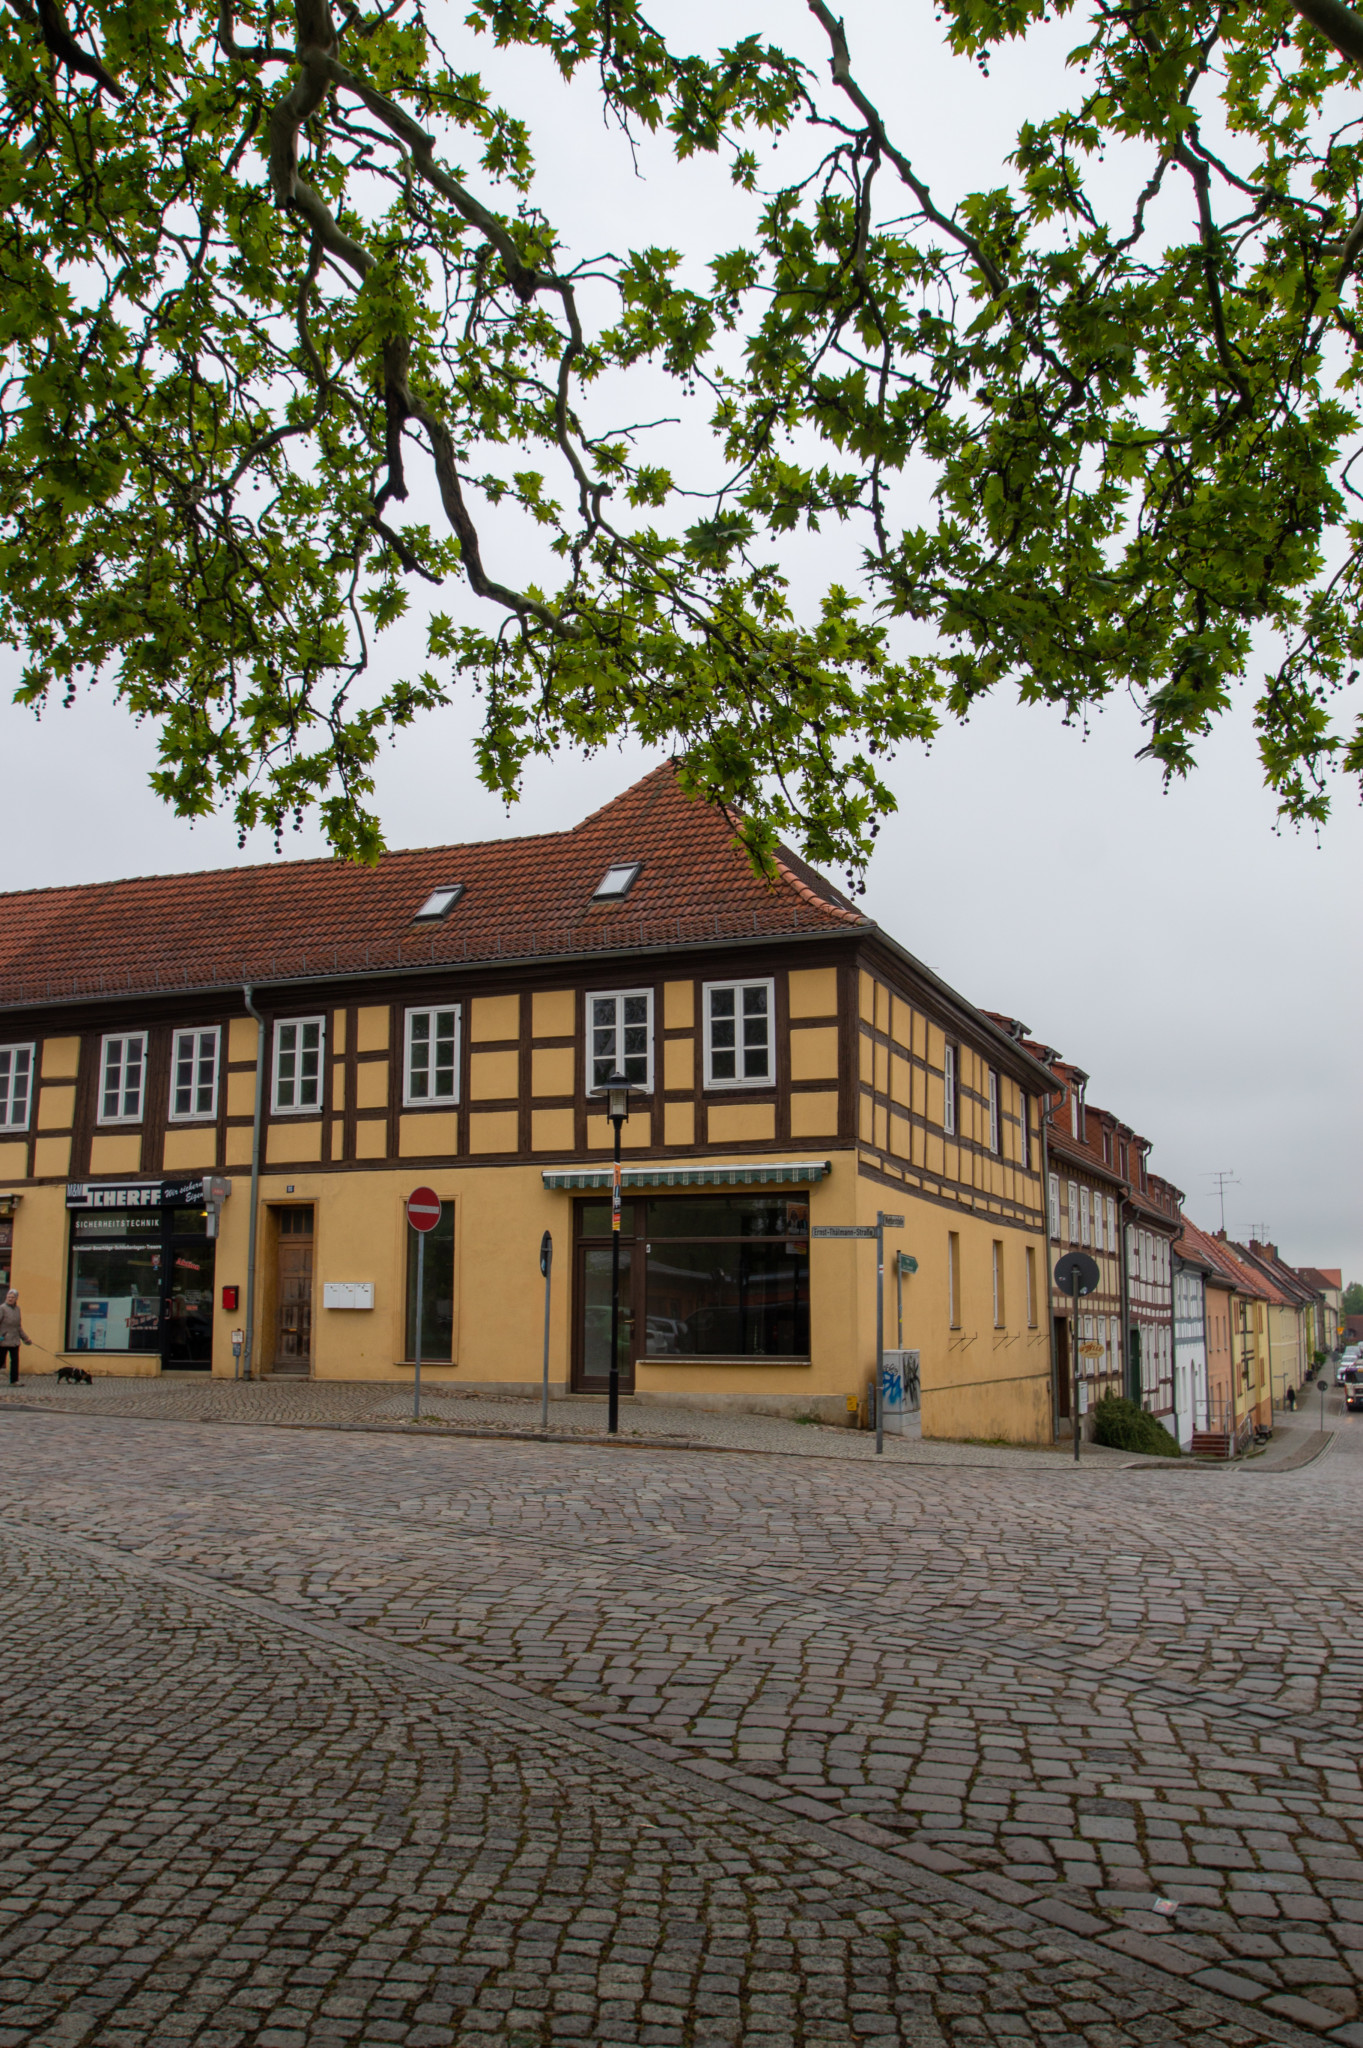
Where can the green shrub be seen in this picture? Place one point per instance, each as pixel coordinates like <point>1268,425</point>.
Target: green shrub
<point>1128,1428</point>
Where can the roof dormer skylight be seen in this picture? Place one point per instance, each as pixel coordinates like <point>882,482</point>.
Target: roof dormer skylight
<point>439,903</point>
<point>617,881</point>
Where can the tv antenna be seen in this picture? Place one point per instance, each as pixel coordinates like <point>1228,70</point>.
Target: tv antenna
<point>1224,1178</point>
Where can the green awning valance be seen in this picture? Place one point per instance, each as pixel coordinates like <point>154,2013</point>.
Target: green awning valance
<point>743,1173</point>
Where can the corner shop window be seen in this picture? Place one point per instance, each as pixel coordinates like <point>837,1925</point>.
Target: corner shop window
<point>724,1276</point>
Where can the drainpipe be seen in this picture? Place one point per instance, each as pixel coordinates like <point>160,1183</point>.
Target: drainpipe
<point>248,1342</point>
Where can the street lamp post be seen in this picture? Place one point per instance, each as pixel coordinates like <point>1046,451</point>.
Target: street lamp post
<point>617,1109</point>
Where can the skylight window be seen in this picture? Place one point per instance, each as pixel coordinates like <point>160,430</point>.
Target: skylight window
<point>439,903</point>
<point>617,881</point>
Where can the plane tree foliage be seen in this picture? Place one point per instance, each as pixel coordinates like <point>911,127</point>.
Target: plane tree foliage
<point>292,348</point>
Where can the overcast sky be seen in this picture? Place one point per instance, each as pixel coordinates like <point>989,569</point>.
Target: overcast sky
<point>1204,969</point>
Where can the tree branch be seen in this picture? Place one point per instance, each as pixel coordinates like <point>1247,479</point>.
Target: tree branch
<point>841,67</point>
<point>1337,23</point>
<point>48,19</point>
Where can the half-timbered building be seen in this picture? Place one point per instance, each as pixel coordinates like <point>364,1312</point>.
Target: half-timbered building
<point>216,1090</point>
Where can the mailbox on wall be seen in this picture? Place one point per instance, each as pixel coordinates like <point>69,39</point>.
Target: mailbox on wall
<point>347,1294</point>
<point>229,1296</point>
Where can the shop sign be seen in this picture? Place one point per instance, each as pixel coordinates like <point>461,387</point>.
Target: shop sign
<point>135,1194</point>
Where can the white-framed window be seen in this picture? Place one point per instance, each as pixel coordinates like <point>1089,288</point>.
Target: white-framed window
<point>430,1071</point>
<point>1074,1212</point>
<point>620,1035</point>
<point>122,1078</point>
<point>998,1285</point>
<point>993,1111</point>
<point>1097,1221</point>
<point>1111,1224</point>
<point>16,1086</point>
<point>194,1074</point>
<point>1025,1130</point>
<point>740,1037</point>
<point>950,1066</point>
<point>1085,1217</point>
<point>1054,1192</point>
<point>299,1045</point>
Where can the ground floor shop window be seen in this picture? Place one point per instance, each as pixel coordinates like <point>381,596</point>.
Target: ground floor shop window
<point>723,1277</point>
<point>142,1283</point>
<point>115,1293</point>
<point>437,1318</point>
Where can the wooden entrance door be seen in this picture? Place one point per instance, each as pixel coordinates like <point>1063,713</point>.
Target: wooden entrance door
<point>1062,1368</point>
<point>293,1290</point>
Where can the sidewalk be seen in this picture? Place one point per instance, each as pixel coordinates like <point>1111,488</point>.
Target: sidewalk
<point>351,1404</point>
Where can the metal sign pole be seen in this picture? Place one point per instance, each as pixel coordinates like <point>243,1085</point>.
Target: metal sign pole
<point>420,1306</point>
<point>1075,1368</point>
<point>546,1262</point>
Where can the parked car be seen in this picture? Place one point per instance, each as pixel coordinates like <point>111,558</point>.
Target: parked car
<point>1353,1394</point>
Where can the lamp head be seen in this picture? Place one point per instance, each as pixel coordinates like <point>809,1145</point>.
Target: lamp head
<point>617,1097</point>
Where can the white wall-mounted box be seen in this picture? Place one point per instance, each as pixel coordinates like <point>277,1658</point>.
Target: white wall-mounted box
<point>347,1294</point>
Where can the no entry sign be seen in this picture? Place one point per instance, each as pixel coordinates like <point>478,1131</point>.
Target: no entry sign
<point>423,1209</point>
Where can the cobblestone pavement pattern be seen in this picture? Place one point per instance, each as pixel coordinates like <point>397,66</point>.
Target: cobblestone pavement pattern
<point>323,1737</point>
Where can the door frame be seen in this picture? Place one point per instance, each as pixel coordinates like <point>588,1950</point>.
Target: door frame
<point>630,1293</point>
<point>272,1211</point>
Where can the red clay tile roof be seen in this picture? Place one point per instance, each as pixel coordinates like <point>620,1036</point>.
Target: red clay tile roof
<point>1244,1277</point>
<point>1321,1277</point>
<point>523,898</point>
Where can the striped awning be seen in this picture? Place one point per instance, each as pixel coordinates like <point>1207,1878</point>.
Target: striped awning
<point>743,1173</point>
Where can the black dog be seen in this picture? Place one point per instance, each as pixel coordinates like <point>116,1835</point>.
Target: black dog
<point>74,1375</point>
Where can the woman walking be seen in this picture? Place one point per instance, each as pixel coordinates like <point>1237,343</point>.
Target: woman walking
<point>12,1335</point>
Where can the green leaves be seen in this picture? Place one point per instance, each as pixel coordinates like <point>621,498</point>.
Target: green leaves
<point>277,299</point>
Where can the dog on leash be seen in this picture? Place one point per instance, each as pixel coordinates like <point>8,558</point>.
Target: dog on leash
<point>74,1376</point>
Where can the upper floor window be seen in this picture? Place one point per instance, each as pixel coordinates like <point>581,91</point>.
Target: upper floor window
<point>1107,1146</point>
<point>16,1086</point>
<point>993,1111</point>
<point>1074,1212</point>
<point>1097,1221</point>
<point>738,1034</point>
<point>431,1069</point>
<point>298,1048</point>
<point>950,1066</point>
<point>1111,1224</point>
<point>1025,1130</point>
<point>123,1068</point>
<point>1085,1216</point>
<point>1054,1192</point>
<point>194,1074</point>
<point>620,1035</point>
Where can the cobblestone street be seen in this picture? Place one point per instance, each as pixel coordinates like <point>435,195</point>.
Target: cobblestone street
<point>346,1736</point>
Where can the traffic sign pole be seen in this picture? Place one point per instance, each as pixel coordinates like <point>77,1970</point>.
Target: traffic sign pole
<point>420,1309</point>
<point>1074,1374</point>
<point>423,1213</point>
<point>1076,1274</point>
